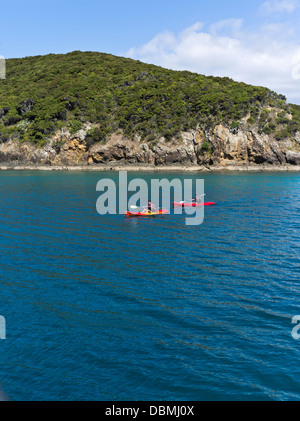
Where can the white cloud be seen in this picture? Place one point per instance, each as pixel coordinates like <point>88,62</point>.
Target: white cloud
<point>275,6</point>
<point>261,58</point>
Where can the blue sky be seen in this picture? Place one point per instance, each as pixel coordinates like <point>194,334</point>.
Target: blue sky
<point>257,42</point>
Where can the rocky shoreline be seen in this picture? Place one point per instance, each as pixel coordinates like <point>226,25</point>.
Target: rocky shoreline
<point>218,149</point>
<point>153,168</point>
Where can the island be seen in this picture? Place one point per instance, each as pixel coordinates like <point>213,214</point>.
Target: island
<point>97,111</point>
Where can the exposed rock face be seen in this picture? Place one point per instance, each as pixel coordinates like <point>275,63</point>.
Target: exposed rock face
<point>218,146</point>
<point>293,158</point>
<point>166,153</point>
<point>119,148</point>
<point>244,146</point>
<point>247,146</point>
<point>63,149</point>
<point>73,151</point>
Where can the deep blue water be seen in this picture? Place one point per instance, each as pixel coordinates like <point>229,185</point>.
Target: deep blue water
<point>115,308</point>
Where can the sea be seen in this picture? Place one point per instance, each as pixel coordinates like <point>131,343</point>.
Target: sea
<point>113,308</point>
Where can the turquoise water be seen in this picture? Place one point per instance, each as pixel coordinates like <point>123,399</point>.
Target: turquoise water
<point>115,308</point>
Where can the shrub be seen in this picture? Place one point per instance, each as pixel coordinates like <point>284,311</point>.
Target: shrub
<point>75,126</point>
<point>205,147</point>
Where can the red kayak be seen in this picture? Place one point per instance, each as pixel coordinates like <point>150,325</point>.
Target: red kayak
<point>184,205</point>
<point>147,213</point>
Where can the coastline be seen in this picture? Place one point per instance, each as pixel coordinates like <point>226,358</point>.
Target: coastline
<point>152,168</point>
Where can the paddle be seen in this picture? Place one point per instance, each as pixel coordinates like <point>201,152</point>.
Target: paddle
<point>199,196</point>
<point>137,207</point>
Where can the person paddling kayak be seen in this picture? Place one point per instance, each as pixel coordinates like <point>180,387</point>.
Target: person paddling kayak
<point>150,207</point>
<point>196,199</point>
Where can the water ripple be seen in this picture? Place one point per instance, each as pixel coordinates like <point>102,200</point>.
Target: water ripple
<point>112,308</point>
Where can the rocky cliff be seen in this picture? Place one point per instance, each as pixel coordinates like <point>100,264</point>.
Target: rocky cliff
<point>218,146</point>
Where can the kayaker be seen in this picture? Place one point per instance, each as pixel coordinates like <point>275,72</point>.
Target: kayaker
<point>150,207</point>
<point>196,199</point>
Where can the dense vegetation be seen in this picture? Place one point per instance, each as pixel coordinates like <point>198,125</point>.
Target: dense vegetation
<point>44,93</point>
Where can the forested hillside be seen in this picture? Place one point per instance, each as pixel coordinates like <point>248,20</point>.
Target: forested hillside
<point>45,93</point>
